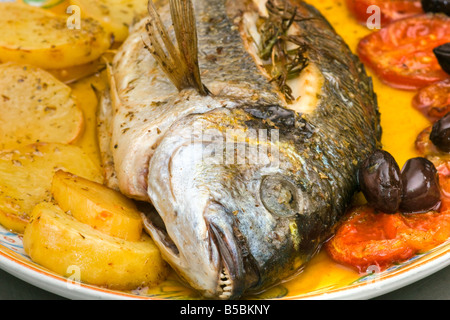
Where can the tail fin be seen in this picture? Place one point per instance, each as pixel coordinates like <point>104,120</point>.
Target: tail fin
<point>180,64</point>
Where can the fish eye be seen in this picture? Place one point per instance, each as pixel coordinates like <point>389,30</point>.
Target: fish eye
<point>279,196</point>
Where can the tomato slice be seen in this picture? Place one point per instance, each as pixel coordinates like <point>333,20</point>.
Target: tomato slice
<point>443,168</point>
<point>391,10</point>
<point>367,238</point>
<point>401,54</point>
<point>433,100</point>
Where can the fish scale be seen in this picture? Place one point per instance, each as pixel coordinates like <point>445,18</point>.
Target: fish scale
<point>222,55</point>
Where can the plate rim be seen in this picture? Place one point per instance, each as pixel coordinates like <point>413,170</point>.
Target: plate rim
<point>56,284</point>
<point>46,280</point>
<point>391,282</point>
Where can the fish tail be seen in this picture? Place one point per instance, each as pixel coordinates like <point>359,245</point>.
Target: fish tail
<point>179,63</point>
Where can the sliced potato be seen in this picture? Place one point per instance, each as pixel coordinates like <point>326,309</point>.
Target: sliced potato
<point>26,177</point>
<point>35,106</point>
<point>102,208</point>
<point>36,36</point>
<point>115,16</point>
<point>62,244</point>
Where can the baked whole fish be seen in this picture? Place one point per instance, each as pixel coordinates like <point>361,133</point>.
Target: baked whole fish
<point>243,123</point>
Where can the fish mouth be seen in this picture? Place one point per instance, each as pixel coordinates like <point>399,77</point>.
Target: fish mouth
<point>238,271</point>
<point>230,282</point>
<point>231,276</point>
<point>156,227</point>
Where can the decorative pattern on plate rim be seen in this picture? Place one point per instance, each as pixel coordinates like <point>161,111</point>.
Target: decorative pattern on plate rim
<point>172,289</point>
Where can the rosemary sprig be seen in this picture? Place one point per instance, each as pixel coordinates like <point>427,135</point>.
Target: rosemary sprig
<point>282,61</point>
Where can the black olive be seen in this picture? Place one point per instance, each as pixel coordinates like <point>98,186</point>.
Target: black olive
<point>380,181</point>
<point>442,54</point>
<point>420,182</point>
<point>440,133</point>
<point>436,6</point>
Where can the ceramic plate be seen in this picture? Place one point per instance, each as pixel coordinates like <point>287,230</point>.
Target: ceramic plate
<point>14,260</point>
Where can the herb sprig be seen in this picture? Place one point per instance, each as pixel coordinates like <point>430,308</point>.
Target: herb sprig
<point>284,54</point>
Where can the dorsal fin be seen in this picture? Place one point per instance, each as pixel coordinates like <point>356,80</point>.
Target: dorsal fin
<point>180,64</point>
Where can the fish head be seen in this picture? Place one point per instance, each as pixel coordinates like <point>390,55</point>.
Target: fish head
<point>231,203</point>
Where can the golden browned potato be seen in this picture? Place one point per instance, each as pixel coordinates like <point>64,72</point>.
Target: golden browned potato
<point>116,16</point>
<point>26,177</point>
<point>35,106</point>
<point>32,35</point>
<point>102,208</point>
<point>62,244</point>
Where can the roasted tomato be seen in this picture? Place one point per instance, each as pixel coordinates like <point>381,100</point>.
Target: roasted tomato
<point>433,100</point>
<point>401,54</point>
<point>367,238</point>
<point>391,10</point>
<point>443,168</point>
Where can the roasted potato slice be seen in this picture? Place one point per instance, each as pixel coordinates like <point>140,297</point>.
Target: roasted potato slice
<point>62,244</point>
<point>35,106</point>
<point>26,177</point>
<point>116,16</point>
<point>36,36</point>
<point>102,208</point>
